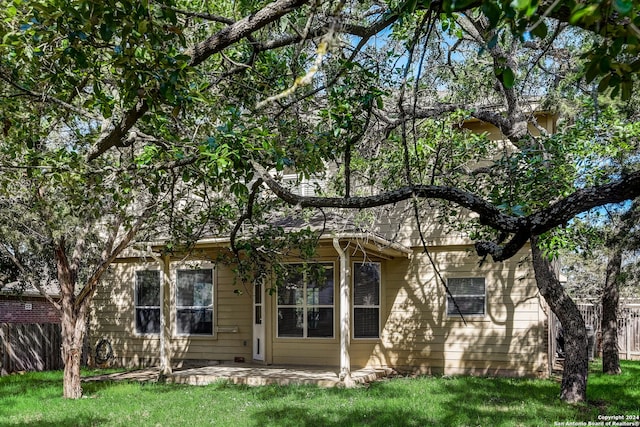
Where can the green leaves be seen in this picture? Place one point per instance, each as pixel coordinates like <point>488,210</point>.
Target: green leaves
<point>584,13</point>
<point>623,7</point>
<point>614,75</point>
<point>506,76</point>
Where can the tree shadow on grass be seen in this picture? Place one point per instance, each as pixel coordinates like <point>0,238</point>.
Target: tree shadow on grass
<point>75,421</point>
<point>12,387</point>
<point>446,401</point>
<point>300,417</point>
<point>21,385</point>
<point>503,402</point>
<point>615,394</point>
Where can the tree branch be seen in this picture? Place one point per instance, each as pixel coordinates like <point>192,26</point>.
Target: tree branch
<point>521,228</point>
<point>43,97</point>
<point>25,274</point>
<point>241,29</point>
<point>247,214</point>
<point>117,136</point>
<point>489,214</point>
<point>84,297</point>
<point>205,16</point>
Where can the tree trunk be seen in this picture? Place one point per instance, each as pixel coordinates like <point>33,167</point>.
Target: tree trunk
<point>576,364</point>
<point>609,322</point>
<point>73,324</point>
<point>73,331</point>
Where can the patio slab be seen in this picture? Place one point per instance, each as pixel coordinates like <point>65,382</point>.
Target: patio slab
<point>256,375</point>
<point>252,375</point>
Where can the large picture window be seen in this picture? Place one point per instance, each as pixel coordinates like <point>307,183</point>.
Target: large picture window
<point>469,294</point>
<point>147,301</point>
<point>366,300</point>
<point>194,302</point>
<point>305,302</point>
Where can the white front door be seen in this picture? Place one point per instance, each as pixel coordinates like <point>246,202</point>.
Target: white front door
<point>258,322</point>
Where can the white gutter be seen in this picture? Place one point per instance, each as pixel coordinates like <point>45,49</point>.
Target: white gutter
<point>368,237</point>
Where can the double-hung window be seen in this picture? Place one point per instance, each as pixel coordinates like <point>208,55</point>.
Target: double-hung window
<point>305,302</point>
<point>147,301</point>
<point>194,302</point>
<point>366,300</point>
<point>469,295</point>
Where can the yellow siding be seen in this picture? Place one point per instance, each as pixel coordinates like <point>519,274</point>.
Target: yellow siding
<point>416,334</point>
<point>112,318</point>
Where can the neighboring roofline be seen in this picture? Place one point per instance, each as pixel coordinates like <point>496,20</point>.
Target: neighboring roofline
<point>26,293</point>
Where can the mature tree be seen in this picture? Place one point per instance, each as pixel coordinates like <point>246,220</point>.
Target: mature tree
<point>64,228</point>
<point>170,92</point>
<point>67,214</point>
<point>622,239</point>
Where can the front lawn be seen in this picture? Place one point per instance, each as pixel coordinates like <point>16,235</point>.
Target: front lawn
<point>34,399</point>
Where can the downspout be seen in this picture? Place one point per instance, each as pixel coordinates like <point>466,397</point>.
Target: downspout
<point>345,315</point>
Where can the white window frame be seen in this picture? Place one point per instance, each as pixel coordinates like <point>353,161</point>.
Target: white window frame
<point>194,266</point>
<point>137,307</point>
<point>354,305</point>
<point>457,315</point>
<point>306,306</point>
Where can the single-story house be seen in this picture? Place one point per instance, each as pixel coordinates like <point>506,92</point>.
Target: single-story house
<point>380,303</point>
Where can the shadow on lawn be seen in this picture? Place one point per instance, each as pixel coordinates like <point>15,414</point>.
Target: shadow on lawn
<point>623,389</point>
<point>504,401</point>
<point>296,416</point>
<point>16,385</point>
<point>75,421</point>
<point>449,401</point>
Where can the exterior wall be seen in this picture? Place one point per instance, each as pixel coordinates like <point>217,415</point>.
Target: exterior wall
<point>27,309</point>
<point>399,225</point>
<point>417,335</point>
<point>113,319</point>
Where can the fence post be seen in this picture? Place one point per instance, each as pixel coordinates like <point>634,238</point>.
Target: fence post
<point>627,324</point>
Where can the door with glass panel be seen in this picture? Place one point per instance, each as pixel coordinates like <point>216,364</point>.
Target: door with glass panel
<point>258,321</point>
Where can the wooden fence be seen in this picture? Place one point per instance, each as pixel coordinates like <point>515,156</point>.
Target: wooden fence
<point>29,347</point>
<point>629,332</point>
<point>628,329</point>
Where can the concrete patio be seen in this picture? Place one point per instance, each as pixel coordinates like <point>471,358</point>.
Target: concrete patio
<point>249,374</point>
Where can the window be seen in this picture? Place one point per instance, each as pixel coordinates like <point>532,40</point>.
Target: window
<point>304,187</point>
<point>194,302</point>
<point>366,300</point>
<point>469,295</point>
<point>147,302</point>
<point>305,302</point>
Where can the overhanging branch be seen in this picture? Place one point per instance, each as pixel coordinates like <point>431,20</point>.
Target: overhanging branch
<point>520,228</point>
<point>241,29</point>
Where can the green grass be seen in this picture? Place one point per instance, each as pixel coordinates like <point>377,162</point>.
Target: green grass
<point>34,399</point>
